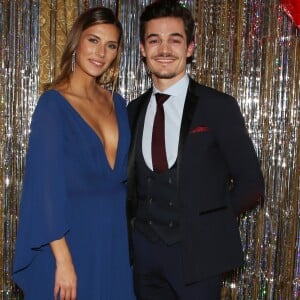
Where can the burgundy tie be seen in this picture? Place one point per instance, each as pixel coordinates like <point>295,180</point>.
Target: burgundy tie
<point>158,147</point>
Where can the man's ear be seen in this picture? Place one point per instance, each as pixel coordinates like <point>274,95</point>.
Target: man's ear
<point>142,49</point>
<point>190,49</point>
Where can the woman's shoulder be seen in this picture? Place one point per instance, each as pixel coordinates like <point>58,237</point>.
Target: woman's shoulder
<point>50,96</point>
<point>49,101</point>
<point>118,97</point>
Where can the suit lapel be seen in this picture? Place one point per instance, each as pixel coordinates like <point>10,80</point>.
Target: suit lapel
<point>138,120</point>
<point>187,117</point>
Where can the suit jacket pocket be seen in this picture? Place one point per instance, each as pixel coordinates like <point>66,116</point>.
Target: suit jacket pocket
<point>201,213</point>
<point>201,139</point>
<point>219,218</point>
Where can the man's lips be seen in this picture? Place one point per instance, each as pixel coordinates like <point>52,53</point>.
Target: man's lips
<point>164,59</point>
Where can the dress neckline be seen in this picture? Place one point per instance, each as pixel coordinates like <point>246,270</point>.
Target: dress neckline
<point>94,133</point>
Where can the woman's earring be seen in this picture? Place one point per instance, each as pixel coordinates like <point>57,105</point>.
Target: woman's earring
<point>73,61</point>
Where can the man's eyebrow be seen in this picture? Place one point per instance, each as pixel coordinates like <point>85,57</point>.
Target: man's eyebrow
<point>152,35</point>
<point>175,34</point>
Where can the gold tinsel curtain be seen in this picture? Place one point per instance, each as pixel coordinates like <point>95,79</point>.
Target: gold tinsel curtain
<point>56,18</point>
<point>247,48</point>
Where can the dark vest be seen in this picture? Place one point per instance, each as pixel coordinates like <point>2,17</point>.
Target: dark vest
<point>158,209</point>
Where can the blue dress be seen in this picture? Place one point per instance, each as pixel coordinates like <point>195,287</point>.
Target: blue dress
<point>70,190</point>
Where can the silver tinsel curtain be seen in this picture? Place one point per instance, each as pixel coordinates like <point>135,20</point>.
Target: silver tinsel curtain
<point>247,48</point>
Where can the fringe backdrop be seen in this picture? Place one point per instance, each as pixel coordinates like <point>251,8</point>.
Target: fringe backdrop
<point>247,48</point>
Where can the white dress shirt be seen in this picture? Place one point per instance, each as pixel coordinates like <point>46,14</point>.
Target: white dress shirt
<point>173,109</point>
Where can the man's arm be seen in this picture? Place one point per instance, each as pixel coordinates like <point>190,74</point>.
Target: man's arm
<point>241,158</point>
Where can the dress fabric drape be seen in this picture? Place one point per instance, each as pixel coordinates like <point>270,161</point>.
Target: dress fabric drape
<point>71,190</point>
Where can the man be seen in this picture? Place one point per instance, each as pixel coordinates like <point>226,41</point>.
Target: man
<point>188,183</point>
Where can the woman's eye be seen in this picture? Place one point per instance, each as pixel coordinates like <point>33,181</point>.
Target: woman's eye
<point>92,40</point>
<point>112,46</point>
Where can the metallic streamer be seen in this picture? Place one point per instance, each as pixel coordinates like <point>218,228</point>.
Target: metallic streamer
<point>19,84</point>
<point>249,49</point>
<point>133,77</point>
<point>53,41</point>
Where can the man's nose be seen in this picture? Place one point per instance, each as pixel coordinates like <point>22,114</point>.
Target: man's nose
<point>165,47</point>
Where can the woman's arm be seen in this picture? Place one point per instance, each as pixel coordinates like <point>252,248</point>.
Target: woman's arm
<point>65,275</point>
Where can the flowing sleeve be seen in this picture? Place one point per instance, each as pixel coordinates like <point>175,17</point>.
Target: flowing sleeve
<point>43,208</point>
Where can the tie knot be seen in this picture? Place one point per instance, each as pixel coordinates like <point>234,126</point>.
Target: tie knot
<point>161,98</point>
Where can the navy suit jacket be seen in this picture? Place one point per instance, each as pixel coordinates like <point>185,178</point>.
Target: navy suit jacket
<point>218,178</point>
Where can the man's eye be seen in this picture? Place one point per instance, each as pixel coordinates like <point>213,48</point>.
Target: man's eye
<point>153,41</point>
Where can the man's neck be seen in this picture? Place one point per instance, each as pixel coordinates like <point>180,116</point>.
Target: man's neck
<point>164,83</point>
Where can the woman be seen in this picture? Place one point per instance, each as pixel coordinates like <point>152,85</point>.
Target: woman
<point>72,236</point>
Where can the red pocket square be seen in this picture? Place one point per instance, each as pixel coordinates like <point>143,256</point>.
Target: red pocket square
<point>200,129</point>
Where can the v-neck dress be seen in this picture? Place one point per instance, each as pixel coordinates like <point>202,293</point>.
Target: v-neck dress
<point>70,190</point>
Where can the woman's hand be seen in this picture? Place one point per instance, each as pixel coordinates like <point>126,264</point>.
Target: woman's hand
<point>65,276</point>
<point>65,281</point>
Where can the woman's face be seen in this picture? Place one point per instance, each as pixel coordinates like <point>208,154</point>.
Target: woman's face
<point>97,49</point>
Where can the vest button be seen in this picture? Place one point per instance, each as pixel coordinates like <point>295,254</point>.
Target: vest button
<point>170,180</point>
<point>150,222</point>
<point>149,179</point>
<point>170,203</point>
<point>170,224</point>
<point>150,200</point>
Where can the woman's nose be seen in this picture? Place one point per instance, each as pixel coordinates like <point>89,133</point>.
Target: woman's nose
<point>100,51</point>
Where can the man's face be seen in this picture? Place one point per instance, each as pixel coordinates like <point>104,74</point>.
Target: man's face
<point>165,49</point>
